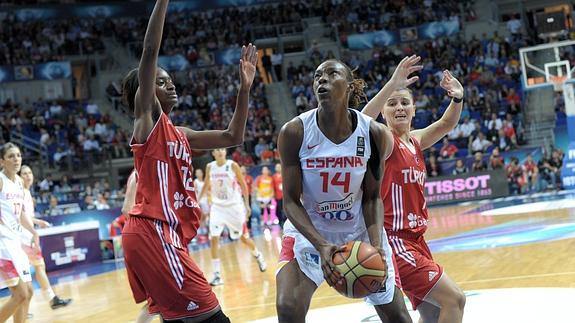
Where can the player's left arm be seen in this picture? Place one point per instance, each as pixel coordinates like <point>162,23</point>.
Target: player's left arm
<point>26,222</point>
<point>130,196</point>
<point>244,186</point>
<point>428,136</point>
<point>371,202</point>
<point>234,134</point>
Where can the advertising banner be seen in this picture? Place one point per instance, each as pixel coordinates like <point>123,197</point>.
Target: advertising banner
<point>104,218</point>
<point>230,56</point>
<point>53,71</point>
<point>173,63</point>
<point>466,187</point>
<point>70,245</point>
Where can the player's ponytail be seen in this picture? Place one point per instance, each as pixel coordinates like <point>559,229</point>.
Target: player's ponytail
<point>130,85</point>
<point>358,95</point>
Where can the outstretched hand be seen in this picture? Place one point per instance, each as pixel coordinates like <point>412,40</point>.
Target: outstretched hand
<point>451,85</point>
<point>248,63</point>
<point>400,78</point>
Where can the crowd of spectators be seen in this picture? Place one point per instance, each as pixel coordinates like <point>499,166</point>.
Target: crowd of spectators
<point>38,41</point>
<point>64,196</point>
<point>70,133</point>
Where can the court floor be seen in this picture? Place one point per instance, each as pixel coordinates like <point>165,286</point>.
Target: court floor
<point>514,257</point>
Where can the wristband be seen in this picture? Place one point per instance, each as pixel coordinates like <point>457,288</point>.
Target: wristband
<point>456,100</point>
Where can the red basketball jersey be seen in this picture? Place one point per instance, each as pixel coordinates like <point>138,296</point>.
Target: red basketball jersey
<point>402,190</point>
<point>165,189</point>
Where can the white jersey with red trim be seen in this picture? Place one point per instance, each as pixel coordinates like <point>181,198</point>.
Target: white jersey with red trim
<point>11,207</point>
<point>333,175</point>
<point>225,189</point>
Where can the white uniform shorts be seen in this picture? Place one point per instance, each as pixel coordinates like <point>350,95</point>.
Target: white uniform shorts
<point>231,216</point>
<point>14,263</point>
<point>308,258</point>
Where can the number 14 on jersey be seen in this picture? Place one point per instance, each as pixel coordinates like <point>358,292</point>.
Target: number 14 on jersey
<point>336,180</point>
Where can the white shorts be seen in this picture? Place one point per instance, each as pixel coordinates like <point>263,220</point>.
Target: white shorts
<point>231,216</point>
<point>14,263</point>
<point>308,257</point>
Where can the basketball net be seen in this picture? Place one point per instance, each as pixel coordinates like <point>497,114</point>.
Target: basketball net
<point>558,82</point>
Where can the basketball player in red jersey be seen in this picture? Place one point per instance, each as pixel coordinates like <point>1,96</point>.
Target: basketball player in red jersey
<point>430,290</point>
<point>309,145</point>
<point>166,214</point>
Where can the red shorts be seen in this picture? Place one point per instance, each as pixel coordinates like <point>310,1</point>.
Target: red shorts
<point>162,274</point>
<point>417,270</point>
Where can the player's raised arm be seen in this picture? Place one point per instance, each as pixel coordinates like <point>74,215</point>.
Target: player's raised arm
<point>146,102</point>
<point>428,136</point>
<point>399,80</point>
<point>234,134</point>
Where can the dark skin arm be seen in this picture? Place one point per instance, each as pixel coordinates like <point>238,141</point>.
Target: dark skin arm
<point>234,134</point>
<point>289,142</point>
<point>146,103</point>
<point>371,202</point>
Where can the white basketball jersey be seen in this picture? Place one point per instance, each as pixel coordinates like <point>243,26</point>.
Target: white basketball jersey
<point>224,185</point>
<point>333,175</point>
<point>11,206</point>
<point>199,185</point>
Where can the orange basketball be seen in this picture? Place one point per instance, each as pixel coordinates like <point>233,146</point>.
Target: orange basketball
<point>362,267</point>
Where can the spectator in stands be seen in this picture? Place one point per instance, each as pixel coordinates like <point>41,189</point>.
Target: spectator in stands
<point>466,128</point>
<point>46,184</point>
<point>532,173</point>
<point>301,103</point>
<point>556,163</point>
<point>102,203</point>
<point>503,142</point>
<point>260,147</point>
<point>277,62</point>
<point>515,177</point>
<point>89,203</point>
<point>494,122</point>
<point>448,150</point>
<point>480,144</point>
<point>53,209</point>
<point>92,109</point>
<point>514,26</point>
<point>495,160</point>
<point>478,163</point>
<point>433,168</point>
<point>460,168</point>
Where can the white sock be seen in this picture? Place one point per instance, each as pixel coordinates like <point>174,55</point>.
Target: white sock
<point>255,252</point>
<point>216,266</point>
<point>49,293</point>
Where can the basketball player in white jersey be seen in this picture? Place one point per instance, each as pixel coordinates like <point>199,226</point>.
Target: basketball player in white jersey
<point>230,208</point>
<point>332,166</point>
<point>14,264</point>
<point>35,254</point>
<point>204,204</point>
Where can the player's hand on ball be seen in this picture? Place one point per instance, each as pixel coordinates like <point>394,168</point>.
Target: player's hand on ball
<point>326,253</point>
<point>382,253</point>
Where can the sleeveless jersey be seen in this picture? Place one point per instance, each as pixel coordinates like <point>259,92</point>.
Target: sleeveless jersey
<point>165,189</point>
<point>333,175</point>
<point>264,186</point>
<point>11,207</point>
<point>199,185</point>
<point>225,188</point>
<point>402,190</point>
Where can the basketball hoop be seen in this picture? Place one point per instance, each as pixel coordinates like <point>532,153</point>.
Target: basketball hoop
<point>558,82</point>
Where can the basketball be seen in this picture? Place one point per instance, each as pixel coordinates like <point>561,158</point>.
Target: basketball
<point>362,267</point>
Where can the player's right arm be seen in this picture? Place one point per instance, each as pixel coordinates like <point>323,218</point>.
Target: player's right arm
<point>289,143</point>
<point>207,183</point>
<point>130,197</point>
<point>399,80</point>
<point>146,104</point>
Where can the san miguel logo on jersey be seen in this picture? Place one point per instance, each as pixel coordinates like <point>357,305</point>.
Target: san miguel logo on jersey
<point>360,150</point>
<point>336,210</point>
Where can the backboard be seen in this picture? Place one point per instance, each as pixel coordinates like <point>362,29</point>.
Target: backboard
<point>542,64</point>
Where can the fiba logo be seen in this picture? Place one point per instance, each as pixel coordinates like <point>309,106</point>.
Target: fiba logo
<point>180,200</point>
